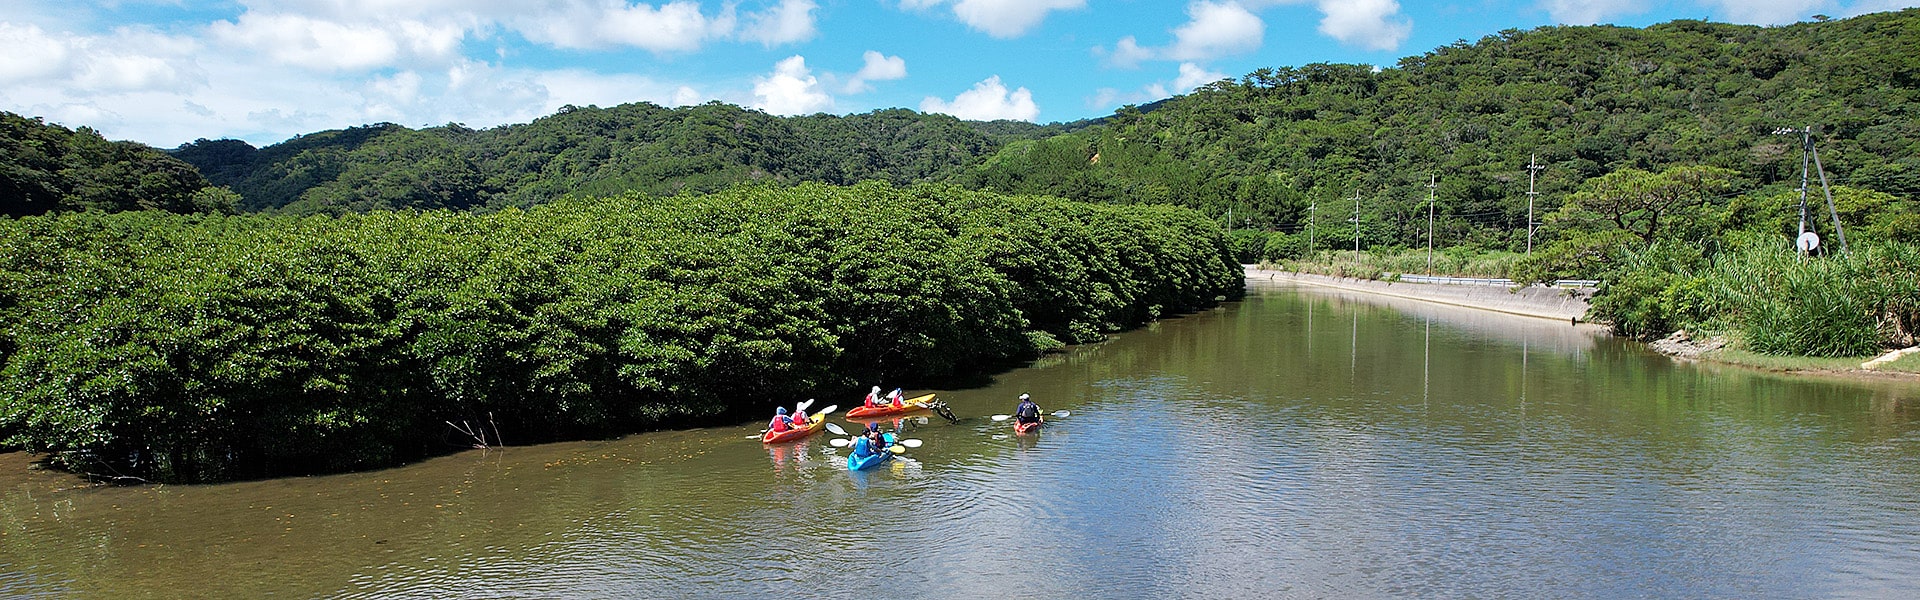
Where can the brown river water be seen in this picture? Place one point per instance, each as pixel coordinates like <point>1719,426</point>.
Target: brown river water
<point>1300,443</point>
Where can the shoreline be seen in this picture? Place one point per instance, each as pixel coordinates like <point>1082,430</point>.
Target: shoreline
<point>1570,305</point>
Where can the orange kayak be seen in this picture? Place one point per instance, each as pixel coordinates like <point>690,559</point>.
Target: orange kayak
<point>814,426</point>
<point>908,405</point>
<point>1019,427</point>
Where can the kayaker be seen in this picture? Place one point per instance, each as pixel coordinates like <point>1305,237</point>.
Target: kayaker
<point>799,415</point>
<point>781,422</point>
<point>873,397</point>
<point>864,446</point>
<point>1027,411</point>
<point>895,397</point>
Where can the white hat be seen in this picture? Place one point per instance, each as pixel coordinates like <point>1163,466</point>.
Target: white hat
<point>1023,396</point>
<point>876,388</point>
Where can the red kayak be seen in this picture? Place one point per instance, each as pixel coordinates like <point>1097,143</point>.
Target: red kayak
<point>908,405</point>
<point>813,426</point>
<point>1019,427</point>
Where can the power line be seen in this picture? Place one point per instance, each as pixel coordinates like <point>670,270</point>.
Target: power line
<point>1533,167</point>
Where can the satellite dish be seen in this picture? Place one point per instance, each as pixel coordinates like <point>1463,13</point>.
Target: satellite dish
<point>1808,241</point>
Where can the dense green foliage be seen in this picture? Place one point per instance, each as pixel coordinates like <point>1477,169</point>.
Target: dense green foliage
<point>1852,304</point>
<point>46,168</point>
<point>207,347</point>
<point>1588,101</point>
<point>593,151</point>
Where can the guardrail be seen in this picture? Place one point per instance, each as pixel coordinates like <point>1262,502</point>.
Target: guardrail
<point>1566,283</point>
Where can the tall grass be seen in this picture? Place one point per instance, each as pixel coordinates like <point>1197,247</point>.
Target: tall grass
<point>1453,262</point>
<point>1845,305</point>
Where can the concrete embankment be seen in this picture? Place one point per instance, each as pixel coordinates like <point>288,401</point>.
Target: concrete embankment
<point>1565,304</point>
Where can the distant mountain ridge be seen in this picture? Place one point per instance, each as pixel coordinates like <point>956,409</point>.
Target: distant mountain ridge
<point>639,146</point>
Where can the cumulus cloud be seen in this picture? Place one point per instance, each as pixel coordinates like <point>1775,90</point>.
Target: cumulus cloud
<point>1370,24</point>
<point>1000,18</point>
<point>876,67</point>
<point>1216,29</point>
<point>675,26</point>
<point>989,100</point>
<point>790,90</point>
<point>27,52</point>
<point>791,21</point>
<point>1190,76</point>
<point>1589,12</point>
<point>1193,76</point>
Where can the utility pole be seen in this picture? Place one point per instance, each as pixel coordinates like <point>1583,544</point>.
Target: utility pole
<point>1356,219</point>
<point>1533,168</point>
<point>1810,157</point>
<point>1432,182</point>
<point>1838,232</point>
<point>1310,209</point>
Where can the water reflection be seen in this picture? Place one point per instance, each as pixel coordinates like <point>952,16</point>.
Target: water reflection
<point>1224,453</point>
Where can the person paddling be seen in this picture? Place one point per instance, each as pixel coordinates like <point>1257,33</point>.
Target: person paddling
<point>867,444</point>
<point>896,398</point>
<point>800,415</point>
<point>1027,413</point>
<point>873,398</point>
<point>781,422</point>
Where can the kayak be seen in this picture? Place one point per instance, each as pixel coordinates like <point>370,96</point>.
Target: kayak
<point>855,463</point>
<point>817,423</point>
<point>908,405</point>
<point>1019,427</point>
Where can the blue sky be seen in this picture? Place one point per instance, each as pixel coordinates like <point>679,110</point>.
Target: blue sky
<point>165,72</point>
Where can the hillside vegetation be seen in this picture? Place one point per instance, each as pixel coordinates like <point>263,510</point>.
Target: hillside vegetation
<point>637,147</point>
<point>47,168</point>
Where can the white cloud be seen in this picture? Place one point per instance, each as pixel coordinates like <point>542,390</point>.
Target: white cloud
<point>1217,29</point>
<point>1000,18</point>
<point>1769,12</point>
<point>28,53</point>
<point>876,67</point>
<point>1127,53</point>
<point>1589,12</point>
<point>1369,24</point>
<point>1193,76</point>
<point>791,21</point>
<point>790,90</point>
<point>989,100</point>
<point>589,24</point>
<point>1190,76</point>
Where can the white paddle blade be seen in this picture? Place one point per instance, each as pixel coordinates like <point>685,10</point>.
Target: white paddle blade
<point>911,443</point>
<point>803,405</point>
<point>998,418</point>
<point>835,428</point>
<point>827,411</point>
<point>839,443</point>
<point>1061,413</point>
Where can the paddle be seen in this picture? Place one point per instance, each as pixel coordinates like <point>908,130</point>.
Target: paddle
<point>803,405</point>
<point>1057,413</point>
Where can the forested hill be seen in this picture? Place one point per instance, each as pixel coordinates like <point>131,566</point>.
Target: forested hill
<point>46,168</point>
<point>1587,100</point>
<point>594,151</point>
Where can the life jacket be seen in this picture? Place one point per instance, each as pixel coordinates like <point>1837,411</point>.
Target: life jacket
<point>1027,411</point>
<point>862,447</point>
<point>873,400</point>
<point>799,419</point>
<point>780,424</point>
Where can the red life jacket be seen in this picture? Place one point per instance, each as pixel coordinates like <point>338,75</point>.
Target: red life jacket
<point>779,424</point>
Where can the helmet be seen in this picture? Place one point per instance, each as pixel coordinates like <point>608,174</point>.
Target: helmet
<point>1023,397</point>
<point>873,426</point>
<point>780,411</point>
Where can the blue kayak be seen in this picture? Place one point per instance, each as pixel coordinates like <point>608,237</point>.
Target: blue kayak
<point>856,463</point>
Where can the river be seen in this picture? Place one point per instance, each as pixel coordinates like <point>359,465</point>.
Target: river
<point>1301,443</point>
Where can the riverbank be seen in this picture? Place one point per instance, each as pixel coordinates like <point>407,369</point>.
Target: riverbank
<point>1561,304</point>
<point>1570,305</point>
